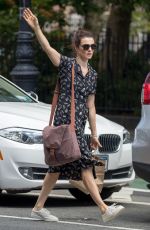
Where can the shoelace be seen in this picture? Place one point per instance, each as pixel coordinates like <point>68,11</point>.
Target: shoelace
<point>112,207</point>
<point>46,211</point>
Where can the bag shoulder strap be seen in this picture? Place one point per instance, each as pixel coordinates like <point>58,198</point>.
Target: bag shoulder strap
<point>55,100</point>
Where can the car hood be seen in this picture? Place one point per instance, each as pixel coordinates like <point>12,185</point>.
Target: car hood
<point>36,116</point>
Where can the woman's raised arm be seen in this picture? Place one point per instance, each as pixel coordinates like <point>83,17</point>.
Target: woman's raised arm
<point>32,20</point>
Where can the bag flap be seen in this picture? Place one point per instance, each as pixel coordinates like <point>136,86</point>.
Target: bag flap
<point>53,136</point>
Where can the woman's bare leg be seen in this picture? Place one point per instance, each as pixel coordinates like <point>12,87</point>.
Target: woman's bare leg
<point>89,182</point>
<point>48,184</point>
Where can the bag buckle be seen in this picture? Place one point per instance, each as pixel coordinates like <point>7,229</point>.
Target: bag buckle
<point>52,151</point>
<point>52,148</point>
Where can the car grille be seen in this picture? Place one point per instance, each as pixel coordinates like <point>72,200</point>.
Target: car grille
<point>110,142</point>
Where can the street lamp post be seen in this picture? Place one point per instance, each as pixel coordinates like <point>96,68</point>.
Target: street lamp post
<point>25,73</point>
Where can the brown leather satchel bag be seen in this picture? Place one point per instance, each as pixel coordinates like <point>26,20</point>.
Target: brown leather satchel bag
<point>60,142</point>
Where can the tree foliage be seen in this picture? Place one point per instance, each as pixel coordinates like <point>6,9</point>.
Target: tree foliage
<point>9,17</point>
<point>113,54</point>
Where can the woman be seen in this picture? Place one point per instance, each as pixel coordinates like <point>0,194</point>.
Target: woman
<point>85,87</point>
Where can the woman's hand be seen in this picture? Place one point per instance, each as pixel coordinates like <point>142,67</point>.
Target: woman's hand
<point>95,143</point>
<point>30,18</point>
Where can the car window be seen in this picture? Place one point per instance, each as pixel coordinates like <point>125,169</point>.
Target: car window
<point>10,93</point>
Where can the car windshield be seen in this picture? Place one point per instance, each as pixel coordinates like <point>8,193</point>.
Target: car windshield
<point>10,93</point>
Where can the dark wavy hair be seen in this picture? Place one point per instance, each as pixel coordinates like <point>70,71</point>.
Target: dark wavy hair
<point>78,35</point>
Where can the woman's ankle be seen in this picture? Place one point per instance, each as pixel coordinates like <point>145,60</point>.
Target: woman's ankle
<point>103,208</point>
<point>37,208</point>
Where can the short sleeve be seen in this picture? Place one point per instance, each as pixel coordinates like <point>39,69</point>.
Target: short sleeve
<point>64,62</point>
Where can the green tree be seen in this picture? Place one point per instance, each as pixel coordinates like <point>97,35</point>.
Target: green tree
<point>118,31</point>
<point>8,27</point>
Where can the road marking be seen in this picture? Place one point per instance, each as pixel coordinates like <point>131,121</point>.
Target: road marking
<point>15,217</point>
<point>99,226</point>
<point>74,223</point>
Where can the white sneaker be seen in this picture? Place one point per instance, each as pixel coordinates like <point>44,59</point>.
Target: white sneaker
<point>112,212</point>
<point>43,214</point>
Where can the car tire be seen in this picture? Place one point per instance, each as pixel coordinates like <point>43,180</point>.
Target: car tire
<point>81,196</point>
<point>106,193</point>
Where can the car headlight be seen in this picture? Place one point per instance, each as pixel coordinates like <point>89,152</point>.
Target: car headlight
<point>126,137</point>
<point>25,136</point>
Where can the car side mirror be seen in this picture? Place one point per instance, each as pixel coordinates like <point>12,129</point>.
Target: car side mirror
<point>34,95</point>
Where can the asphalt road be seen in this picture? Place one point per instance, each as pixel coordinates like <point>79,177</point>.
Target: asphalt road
<point>15,212</point>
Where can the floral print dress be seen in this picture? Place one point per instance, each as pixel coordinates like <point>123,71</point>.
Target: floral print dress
<point>83,87</point>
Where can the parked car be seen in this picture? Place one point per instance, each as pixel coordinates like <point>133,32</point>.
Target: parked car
<point>141,143</point>
<point>22,166</point>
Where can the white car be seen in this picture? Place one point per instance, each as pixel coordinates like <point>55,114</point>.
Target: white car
<point>22,166</point>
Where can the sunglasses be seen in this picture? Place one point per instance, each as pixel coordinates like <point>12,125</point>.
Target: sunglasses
<point>87,46</point>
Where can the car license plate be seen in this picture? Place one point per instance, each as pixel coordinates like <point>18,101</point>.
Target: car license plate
<point>105,159</point>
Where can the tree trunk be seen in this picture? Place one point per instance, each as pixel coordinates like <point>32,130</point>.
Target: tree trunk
<point>117,39</point>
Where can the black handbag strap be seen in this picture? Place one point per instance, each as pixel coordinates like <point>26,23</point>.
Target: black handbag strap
<point>55,100</point>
